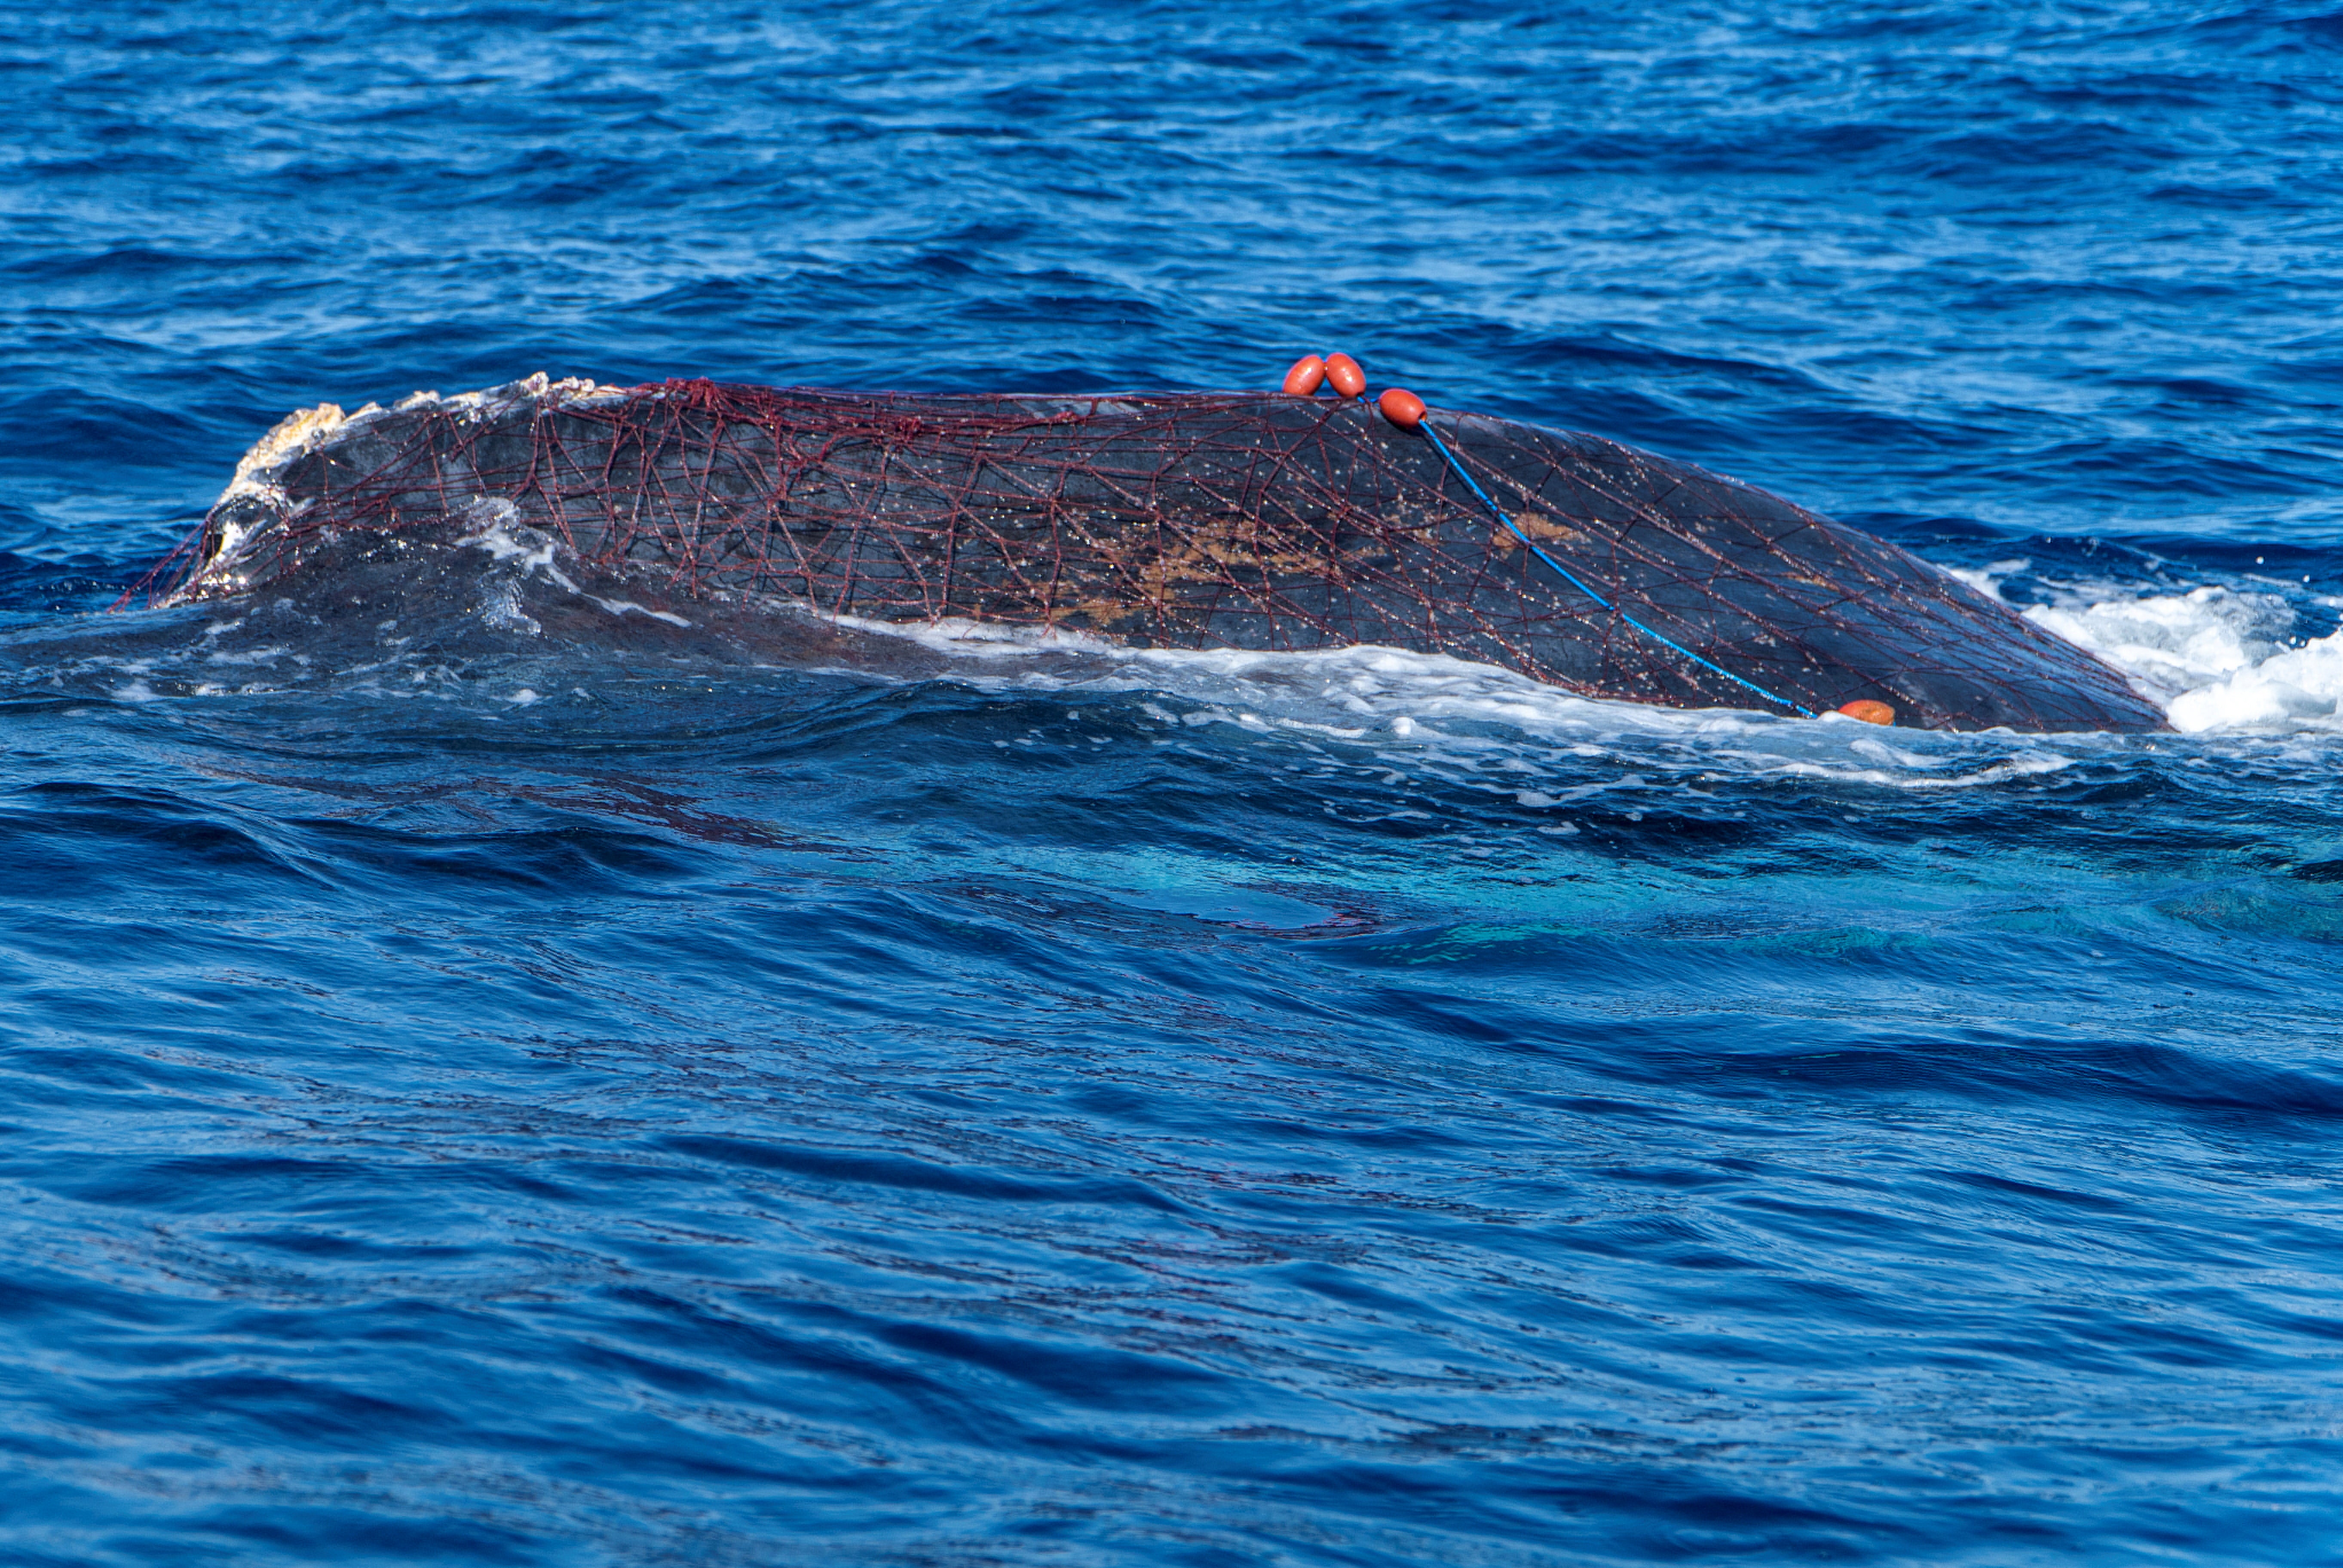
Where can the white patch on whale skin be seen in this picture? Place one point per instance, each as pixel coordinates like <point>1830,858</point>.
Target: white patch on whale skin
<point>256,482</point>
<point>490,401</point>
<point>259,472</point>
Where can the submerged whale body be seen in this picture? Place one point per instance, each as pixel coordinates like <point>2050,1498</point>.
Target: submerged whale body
<point>1189,520</point>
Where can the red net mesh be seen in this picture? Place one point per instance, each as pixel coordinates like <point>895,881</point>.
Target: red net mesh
<point>1189,520</point>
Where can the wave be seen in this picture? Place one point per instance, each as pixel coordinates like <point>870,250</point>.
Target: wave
<point>2218,658</point>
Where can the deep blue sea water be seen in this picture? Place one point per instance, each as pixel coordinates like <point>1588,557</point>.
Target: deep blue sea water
<point>1307,1109</point>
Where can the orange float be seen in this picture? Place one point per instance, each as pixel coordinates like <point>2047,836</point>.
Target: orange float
<point>1869,711</point>
<point>1309,373</point>
<point>1401,407</point>
<point>1343,373</point>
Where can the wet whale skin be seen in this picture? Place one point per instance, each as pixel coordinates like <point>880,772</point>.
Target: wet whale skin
<point>1188,520</point>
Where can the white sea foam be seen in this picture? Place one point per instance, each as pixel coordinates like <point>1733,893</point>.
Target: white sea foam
<point>1451,712</point>
<point>535,552</point>
<point>2220,659</point>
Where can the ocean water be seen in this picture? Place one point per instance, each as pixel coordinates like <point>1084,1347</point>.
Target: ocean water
<point>594,1106</point>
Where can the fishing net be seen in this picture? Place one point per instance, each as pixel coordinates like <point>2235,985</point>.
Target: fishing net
<point>1185,520</point>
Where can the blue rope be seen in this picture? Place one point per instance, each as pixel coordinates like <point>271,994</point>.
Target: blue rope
<point>1573,580</point>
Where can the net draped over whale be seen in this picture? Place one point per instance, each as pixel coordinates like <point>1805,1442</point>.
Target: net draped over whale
<point>1184,520</point>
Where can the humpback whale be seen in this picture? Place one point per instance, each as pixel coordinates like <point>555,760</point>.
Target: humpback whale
<point>1185,520</point>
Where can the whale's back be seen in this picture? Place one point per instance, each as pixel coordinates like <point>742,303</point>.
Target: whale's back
<point>1184,520</point>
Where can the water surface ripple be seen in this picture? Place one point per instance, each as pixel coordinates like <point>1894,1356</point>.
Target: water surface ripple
<point>470,1100</point>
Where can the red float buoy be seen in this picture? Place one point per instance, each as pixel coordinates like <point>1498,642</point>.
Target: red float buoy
<point>1401,407</point>
<point>1309,373</point>
<point>1869,711</point>
<point>1343,373</point>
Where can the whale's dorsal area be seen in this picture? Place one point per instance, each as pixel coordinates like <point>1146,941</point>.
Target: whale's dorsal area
<point>1193,520</point>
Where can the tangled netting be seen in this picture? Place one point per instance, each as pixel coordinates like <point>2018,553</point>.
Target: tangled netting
<point>1186,520</point>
